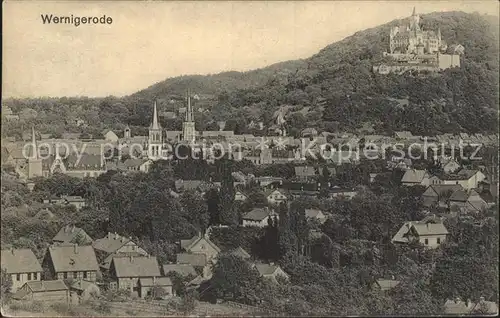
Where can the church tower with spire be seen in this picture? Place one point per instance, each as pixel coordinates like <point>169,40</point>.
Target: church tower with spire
<point>155,137</point>
<point>34,161</point>
<point>188,127</point>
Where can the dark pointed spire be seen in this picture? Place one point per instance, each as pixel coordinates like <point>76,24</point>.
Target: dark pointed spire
<point>189,111</point>
<point>155,124</point>
<point>33,140</point>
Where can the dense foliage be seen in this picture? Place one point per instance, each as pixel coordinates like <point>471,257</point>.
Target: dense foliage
<point>337,85</point>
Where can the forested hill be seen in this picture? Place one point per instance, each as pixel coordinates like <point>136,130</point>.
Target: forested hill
<point>335,89</point>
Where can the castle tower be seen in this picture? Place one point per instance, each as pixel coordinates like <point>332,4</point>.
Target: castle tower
<point>155,137</point>
<point>188,128</point>
<point>34,161</point>
<point>414,21</point>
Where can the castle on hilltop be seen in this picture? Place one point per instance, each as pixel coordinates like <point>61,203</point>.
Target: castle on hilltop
<point>412,39</point>
<point>411,48</point>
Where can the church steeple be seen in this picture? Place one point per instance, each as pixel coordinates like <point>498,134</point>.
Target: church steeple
<point>155,137</point>
<point>414,12</point>
<point>189,111</point>
<point>35,168</point>
<point>33,141</point>
<point>188,126</point>
<point>155,124</point>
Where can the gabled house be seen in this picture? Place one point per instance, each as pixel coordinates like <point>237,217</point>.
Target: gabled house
<point>439,194</point>
<point>271,272</point>
<point>71,261</point>
<point>201,244</point>
<point>72,234</point>
<point>127,271</point>
<point>114,244</point>
<point>468,179</point>
<point>200,252</point>
<point>276,196</point>
<point>240,196</point>
<point>22,266</point>
<point>44,291</point>
<point>469,201</point>
<point>429,234</point>
<point>315,214</point>
<point>141,165</point>
<point>258,217</point>
<point>413,177</point>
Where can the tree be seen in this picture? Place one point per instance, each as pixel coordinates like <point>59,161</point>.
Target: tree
<point>233,278</point>
<point>6,284</point>
<point>227,209</point>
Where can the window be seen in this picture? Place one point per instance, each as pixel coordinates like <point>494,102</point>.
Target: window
<point>29,276</point>
<point>18,277</point>
<point>75,275</point>
<point>426,242</point>
<point>84,275</point>
<point>65,275</point>
<point>439,240</point>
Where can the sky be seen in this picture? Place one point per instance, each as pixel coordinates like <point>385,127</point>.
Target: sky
<point>148,41</point>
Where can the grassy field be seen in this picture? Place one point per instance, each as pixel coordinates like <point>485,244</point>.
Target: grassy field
<point>128,309</point>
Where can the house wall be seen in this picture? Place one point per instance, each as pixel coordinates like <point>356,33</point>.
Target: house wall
<point>276,197</point>
<point>129,283</point>
<point>90,276</point>
<point>463,183</point>
<point>239,197</point>
<point>262,223</point>
<point>48,296</point>
<point>202,247</point>
<point>432,240</point>
<point>20,279</point>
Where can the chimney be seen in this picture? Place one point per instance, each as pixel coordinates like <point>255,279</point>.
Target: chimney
<point>75,248</point>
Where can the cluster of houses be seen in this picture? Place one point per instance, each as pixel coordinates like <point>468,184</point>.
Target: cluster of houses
<point>456,189</point>
<point>76,268</point>
<point>81,157</point>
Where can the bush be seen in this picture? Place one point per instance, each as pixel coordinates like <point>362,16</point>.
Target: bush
<point>102,307</point>
<point>31,306</point>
